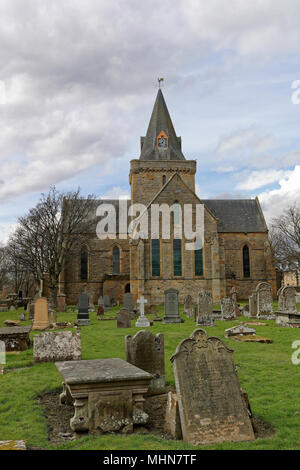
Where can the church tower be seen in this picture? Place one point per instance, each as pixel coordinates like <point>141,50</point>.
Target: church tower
<point>161,156</point>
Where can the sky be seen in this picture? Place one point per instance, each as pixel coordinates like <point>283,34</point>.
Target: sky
<point>78,81</point>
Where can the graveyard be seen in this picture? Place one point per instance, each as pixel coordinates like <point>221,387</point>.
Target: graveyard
<point>30,409</point>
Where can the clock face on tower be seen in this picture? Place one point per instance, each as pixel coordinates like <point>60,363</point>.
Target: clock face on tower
<point>162,140</point>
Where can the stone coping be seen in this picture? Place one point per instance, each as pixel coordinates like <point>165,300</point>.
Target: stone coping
<point>100,371</point>
<point>12,330</point>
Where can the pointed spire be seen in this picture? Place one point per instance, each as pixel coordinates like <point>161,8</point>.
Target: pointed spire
<point>161,142</point>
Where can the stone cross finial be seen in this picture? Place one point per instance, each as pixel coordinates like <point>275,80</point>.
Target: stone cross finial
<point>142,302</point>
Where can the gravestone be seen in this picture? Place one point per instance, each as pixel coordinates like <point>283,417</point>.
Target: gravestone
<point>211,406</point>
<point>52,316</point>
<point>41,314</point>
<point>205,309</point>
<point>106,303</point>
<point>234,295</point>
<point>142,321</point>
<point>22,316</point>
<point>100,300</point>
<point>188,308</point>
<point>30,309</point>
<point>264,301</point>
<point>61,303</point>
<point>128,304</point>
<point>287,300</point>
<point>171,307</point>
<point>239,330</point>
<point>100,312</point>
<point>146,351</point>
<point>16,338</point>
<point>228,311</point>
<point>253,305</point>
<point>57,346</point>
<point>83,318</point>
<point>172,419</point>
<point>123,319</point>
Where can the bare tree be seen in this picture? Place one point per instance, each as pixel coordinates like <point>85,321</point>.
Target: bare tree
<point>4,266</point>
<point>47,235</point>
<point>285,237</point>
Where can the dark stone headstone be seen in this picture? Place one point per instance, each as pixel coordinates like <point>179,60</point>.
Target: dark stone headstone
<point>146,351</point>
<point>124,319</point>
<point>205,309</point>
<point>128,304</point>
<point>211,405</point>
<point>83,318</point>
<point>171,307</point>
<point>100,312</point>
<point>106,302</point>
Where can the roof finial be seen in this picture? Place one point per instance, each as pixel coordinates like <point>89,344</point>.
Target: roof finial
<point>159,81</point>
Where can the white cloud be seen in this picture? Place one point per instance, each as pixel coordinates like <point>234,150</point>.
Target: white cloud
<point>274,202</point>
<point>258,179</point>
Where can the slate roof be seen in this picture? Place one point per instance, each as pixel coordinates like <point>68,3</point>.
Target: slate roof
<point>161,121</point>
<point>237,215</point>
<point>234,215</point>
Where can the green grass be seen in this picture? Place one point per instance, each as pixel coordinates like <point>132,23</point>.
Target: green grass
<point>265,371</point>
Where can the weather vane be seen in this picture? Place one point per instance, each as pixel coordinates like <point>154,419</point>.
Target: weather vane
<point>160,80</point>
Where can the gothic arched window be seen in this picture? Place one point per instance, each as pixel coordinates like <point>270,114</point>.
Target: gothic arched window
<point>177,257</point>
<point>246,261</point>
<point>84,258</point>
<point>116,260</point>
<point>155,258</point>
<point>199,262</point>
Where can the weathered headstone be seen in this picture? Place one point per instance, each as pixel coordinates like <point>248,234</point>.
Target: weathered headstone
<point>264,301</point>
<point>211,406</point>
<point>239,330</point>
<point>205,309</point>
<point>83,318</point>
<point>106,303</point>
<point>16,338</point>
<point>22,316</point>
<point>41,314</point>
<point>188,306</point>
<point>172,418</point>
<point>146,351</point>
<point>228,309</point>
<point>171,307</point>
<point>128,304</point>
<point>234,295</point>
<point>100,312</point>
<point>253,305</point>
<point>100,300</point>
<point>124,318</point>
<point>142,321</point>
<point>61,303</point>
<point>57,346</point>
<point>287,300</point>
<point>52,316</point>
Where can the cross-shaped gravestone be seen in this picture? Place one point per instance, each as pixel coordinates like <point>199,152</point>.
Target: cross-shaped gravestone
<point>142,320</point>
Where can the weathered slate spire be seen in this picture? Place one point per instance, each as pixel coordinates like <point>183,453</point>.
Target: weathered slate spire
<point>161,142</point>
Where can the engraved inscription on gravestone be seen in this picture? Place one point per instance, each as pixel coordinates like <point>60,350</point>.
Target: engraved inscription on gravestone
<point>212,408</point>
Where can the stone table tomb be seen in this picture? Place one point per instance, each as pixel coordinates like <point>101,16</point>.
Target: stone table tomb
<point>108,394</point>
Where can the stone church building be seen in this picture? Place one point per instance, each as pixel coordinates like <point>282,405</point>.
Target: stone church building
<point>236,250</point>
